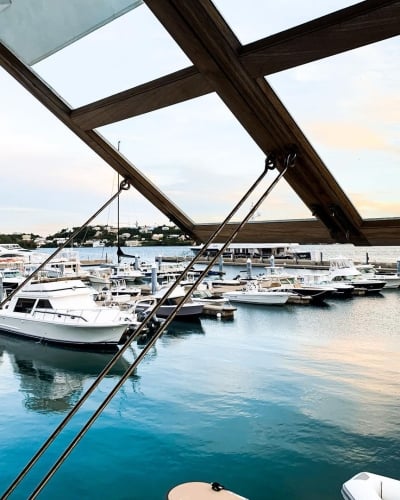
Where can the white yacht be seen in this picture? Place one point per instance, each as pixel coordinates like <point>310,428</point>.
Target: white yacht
<point>342,269</point>
<point>64,312</point>
<point>340,288</point>
<point>253,293</point>
<point>370,272</point>
<point>279,278</point>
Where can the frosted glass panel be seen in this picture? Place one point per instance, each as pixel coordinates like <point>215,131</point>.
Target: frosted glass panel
<point>132,50</point>
<point>36,29</point>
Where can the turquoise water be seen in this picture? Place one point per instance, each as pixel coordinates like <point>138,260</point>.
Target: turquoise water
<point>281,402</point>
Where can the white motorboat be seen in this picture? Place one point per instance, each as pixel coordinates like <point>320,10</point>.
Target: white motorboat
<point>189,310</point>
<point>99,277</point>
<point>342,269</point>
<point>368,486</point>
<point>369,271</point>
<point>206,297</point>
<point>253,293</point>
<point>117,293</point>
<point>126,272</point>
<point>11,278</point>
<point>277,278</point>
<point>340,289</point>
<point>64,312</point>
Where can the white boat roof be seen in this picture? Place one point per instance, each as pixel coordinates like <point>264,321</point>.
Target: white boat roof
<point>179,291</point>
<point>50,287</point>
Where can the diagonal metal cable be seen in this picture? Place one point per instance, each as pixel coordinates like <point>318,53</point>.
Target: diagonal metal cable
<point>124,185</point>
<point>270,164</point>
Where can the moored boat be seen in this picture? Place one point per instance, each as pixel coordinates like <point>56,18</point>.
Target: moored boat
<point>342,269</point>
<point>64,313</point>
<point>190,310</point>
<point>277,278</point>
<point>369,271</point>
<point>338,288</point>
<point>368,486</point>
<point>253,293</point>
<point>124,271</point>
<point>11,278</point>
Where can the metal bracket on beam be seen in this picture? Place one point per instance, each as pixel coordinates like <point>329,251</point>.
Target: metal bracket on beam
<point>285,158</point>
<point>338,224</point>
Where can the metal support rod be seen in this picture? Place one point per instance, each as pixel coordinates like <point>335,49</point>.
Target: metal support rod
<point>123,187</point>
<point>118,256</point>
<point>119,354</point>
<point>137,361</point>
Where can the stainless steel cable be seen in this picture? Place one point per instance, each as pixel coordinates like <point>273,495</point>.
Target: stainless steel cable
<point>124,185</point>
<point>269,165</point>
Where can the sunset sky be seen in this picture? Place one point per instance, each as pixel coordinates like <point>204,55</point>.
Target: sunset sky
<point>348,106</point>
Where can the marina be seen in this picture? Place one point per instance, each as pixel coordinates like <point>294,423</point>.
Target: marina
<point>288,390</point>
<point>262,139</point>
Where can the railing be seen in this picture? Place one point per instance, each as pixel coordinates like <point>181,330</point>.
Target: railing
<point>41,314</point>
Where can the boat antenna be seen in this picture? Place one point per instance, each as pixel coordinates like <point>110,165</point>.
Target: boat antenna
<point>285,160</point>
<point>124,185</point>
<point>119,256</point>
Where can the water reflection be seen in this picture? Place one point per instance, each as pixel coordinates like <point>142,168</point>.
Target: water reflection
<point>183,329</point>
<point>51,378</point>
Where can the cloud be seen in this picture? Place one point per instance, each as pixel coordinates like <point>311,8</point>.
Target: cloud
<point>196,152</point>
<point>380,206</point>
<point>347,135</point>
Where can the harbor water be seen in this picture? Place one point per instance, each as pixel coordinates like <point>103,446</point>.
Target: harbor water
<point>278,403</point>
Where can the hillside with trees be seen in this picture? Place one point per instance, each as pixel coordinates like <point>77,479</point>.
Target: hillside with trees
<point>104,235</point>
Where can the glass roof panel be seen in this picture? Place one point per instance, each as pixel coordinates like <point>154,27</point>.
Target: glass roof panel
<point>131,50</point>
<point>34,30</point>
<point>257,19</point>
<point>202,159</point>
<point>348,106</point>
<point>50,179</point>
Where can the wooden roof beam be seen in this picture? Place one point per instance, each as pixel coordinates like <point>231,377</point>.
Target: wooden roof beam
<point>208,42</point>
<point>172,89</point>
<point>379,232</point>
<point>346,29</point>
<point>28,79</point>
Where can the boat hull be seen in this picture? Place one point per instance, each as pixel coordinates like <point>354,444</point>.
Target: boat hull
<point>260,298</point>
<point>100,337</point>
<point>370,286</point>
<point>391,281</point>
<point>187,311</point>
<point>317,294</point>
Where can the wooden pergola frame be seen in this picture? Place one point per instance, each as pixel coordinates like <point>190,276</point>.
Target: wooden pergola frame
<point>236,74</point>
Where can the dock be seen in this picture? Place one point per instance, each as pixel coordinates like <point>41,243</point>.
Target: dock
<point>223,311</point>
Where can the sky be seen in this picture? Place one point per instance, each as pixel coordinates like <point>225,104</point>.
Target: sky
<point>348,106</point>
